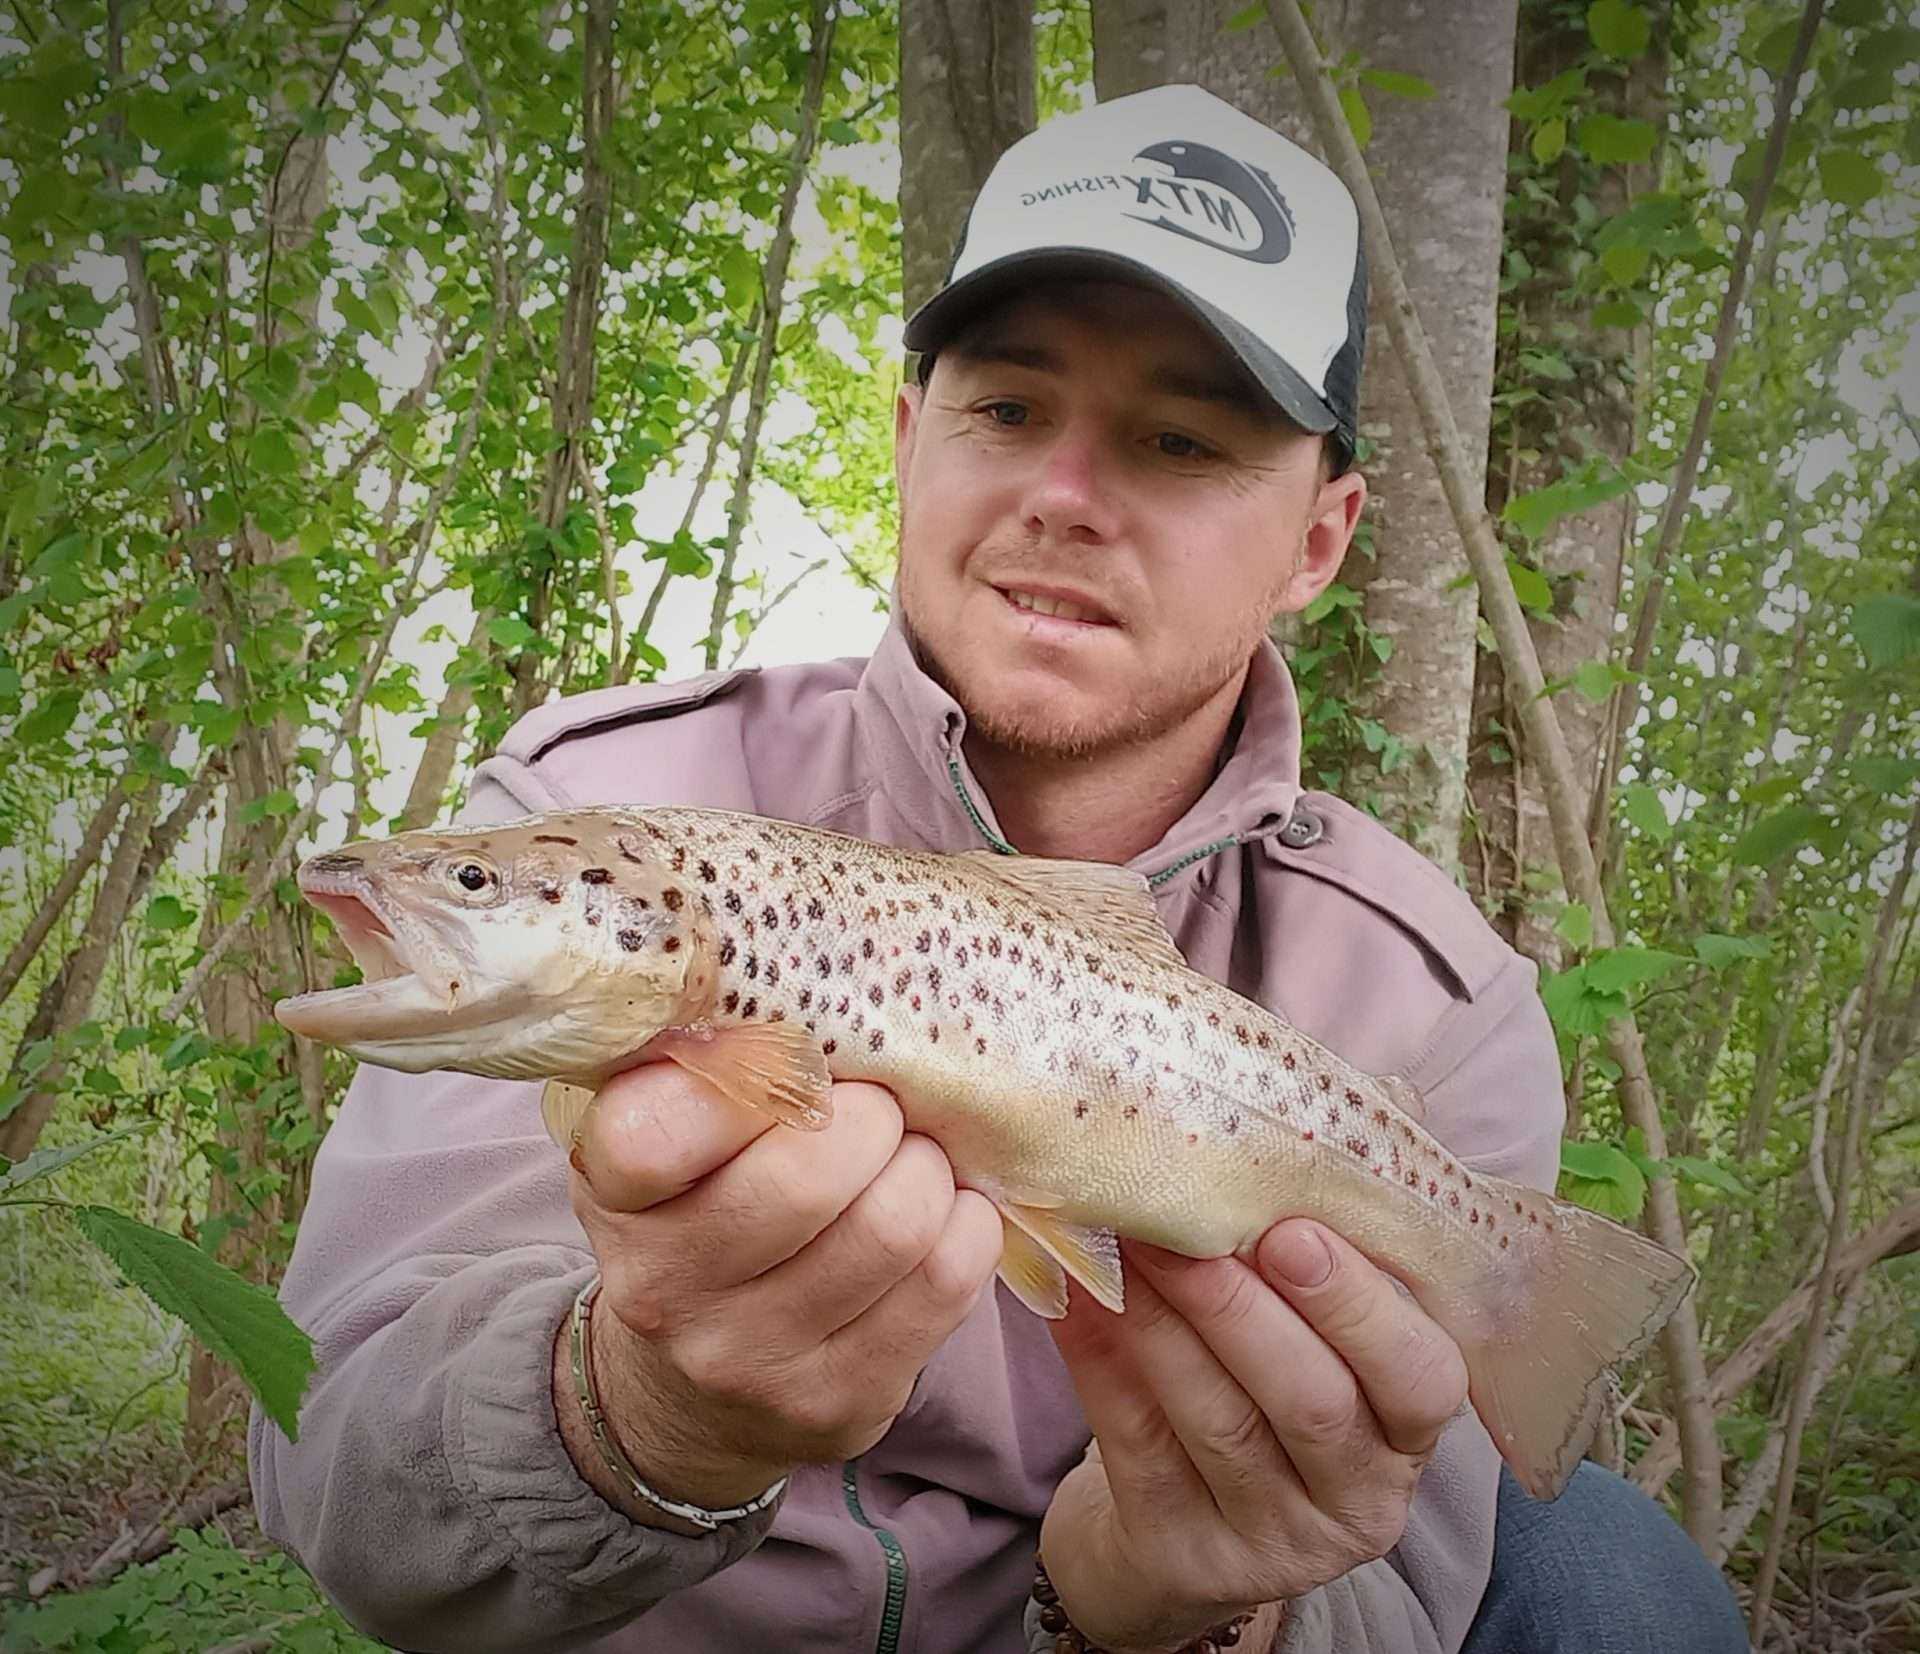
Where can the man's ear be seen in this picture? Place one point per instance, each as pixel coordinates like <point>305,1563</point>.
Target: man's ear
<point>1335,515</point>
<point>906,421</point>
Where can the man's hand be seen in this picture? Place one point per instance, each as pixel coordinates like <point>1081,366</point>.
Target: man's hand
<point>1257,1433</point>
<point>768,1296</point>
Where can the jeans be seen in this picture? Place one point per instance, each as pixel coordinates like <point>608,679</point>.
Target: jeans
<point>1600,1570</point>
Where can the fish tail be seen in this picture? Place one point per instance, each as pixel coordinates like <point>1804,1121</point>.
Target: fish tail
<point>1537,1367</point>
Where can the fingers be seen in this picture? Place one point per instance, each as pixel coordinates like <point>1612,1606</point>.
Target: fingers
<point>1406,1371</point>
<point>915,1316</point>
<point>654,1131</point>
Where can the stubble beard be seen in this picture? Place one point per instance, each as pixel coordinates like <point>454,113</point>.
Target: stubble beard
<point>1033,729</point>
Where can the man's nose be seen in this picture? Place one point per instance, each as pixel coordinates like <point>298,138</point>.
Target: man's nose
<point>1071,494</point>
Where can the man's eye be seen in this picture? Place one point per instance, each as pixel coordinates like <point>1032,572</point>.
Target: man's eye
<point>1017,411</point>
<point>1176,446</point>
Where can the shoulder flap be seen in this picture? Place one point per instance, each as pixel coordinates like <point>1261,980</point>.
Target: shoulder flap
<point>598,710</point>
<point>1359,855</point>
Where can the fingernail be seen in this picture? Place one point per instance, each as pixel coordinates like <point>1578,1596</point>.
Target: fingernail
<point>1299,1256</point>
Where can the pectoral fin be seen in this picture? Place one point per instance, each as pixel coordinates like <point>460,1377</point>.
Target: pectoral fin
<point>1091,1256</point>
<point>562,1107</point>
<point>775,1066</point>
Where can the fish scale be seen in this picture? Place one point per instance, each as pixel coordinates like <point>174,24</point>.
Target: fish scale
<point>1033,1018</point>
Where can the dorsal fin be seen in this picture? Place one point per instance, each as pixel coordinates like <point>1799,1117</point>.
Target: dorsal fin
<point>1116,898</point>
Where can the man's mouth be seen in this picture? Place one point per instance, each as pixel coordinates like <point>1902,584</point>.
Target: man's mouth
<point>1055,606</point>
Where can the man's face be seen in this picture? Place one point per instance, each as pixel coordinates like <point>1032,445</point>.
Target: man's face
<point>1090,447</point>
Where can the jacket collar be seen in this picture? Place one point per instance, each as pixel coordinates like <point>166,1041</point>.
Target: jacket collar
<point>914,731</point>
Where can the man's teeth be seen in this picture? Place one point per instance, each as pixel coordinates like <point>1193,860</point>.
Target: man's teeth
<point>1052,606</point>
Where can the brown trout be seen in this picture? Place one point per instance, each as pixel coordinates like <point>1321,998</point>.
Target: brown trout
<point>1033,1017</point>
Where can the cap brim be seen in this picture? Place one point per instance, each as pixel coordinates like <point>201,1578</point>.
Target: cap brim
<point>953,306</point>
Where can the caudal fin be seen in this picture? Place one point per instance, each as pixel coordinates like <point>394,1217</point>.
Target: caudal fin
<point>1596,1294</point>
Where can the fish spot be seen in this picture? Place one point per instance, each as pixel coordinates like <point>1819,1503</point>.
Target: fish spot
<point>671,944</point>
<point>679,862</point>
<point>596,875</point>
<point>1240,1032</point>
<point>553,838</point>
<point>593,918</point>
<point>1192,1138</point>
<point>1473,1216</point>
<point>1380,1117</point>
<point>980,1046</point>
<point>1233,1124</point>
<point>1357,1145</point>
<point>708,872</point>
<point>829,1046</point>
<point>1264,1040</point>
<point>1413,1180</point>
<point>770,918</point>
<point>730,1004</point>
<point>1433,1188</point>
<point>732,901</point>
<point>1326,1082</point>
<point>933,1032</point>
<point>1080,1111</point>
<point>1307,1135</point>
<point>843,1007</point>
<point>876,995</point>
<point>729,951</point>
<point>816,909</point>
<point>866,947</point>
<point>751,1008</point>
<point>1355,1100</point>
<point>846,964</point>
<point>902,981</point>
<point>673,900</point>
<point>632,940</point>
<point>752,967</point>
<point>549,893</point>
<point>1503,1243</point>
<point>773,972</point>
<point>875,1040</point>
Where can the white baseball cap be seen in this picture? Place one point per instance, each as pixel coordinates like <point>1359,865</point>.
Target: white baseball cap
<point>1176,189</point>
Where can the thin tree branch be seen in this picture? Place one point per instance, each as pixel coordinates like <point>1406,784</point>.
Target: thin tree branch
<point>1546,741</point>
<point>99,829</point>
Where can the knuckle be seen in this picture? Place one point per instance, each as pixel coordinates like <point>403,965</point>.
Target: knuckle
<point>1324,1411</point>
<point>904,1209</point>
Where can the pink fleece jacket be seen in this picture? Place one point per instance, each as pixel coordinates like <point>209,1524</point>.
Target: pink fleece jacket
<point>430,1493</point>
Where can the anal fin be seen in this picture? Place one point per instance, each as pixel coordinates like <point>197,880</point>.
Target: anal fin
<point>1032,1275</point>
<point>1091,1256</point>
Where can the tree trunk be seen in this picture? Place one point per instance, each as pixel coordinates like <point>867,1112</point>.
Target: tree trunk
<point>1440,166</point>
<point>966,95</point>
<point>92,843</point>
<point>66,998</point>
<point>430,780</point>
<point>1566,421</point>
<point>575,371</point>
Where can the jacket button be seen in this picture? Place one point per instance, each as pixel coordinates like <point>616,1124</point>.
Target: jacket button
<point>1302,829</point>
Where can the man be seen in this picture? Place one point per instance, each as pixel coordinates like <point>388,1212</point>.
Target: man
<point>1129,447</point>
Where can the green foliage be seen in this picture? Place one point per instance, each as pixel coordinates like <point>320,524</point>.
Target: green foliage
<point>200,1594</point>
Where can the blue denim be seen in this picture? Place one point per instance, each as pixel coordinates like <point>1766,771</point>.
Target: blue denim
<point>1600,1570</point>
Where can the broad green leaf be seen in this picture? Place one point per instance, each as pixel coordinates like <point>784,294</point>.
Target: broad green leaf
<point>1775,48</point>
<point>1530,586</point>
<point>1576,924</point>
<point>1711,1173</point>
<point>165,913</point>
<point>1612,141</point>
<point>1848,177</point>
<point>238,1321</point>
<point>1717,951</point>
<point>1774,836</point>
<point>1887,628</point>
<point>1576,1005</point>
<point>1602,1178</point>
<point>511,632</point>
<point>1626,262</point>
<point>1549,140</point>
<point>1618,29</point>
<point>1645,811</point>
<point>1892,776</point>
<point>1613,970</point>
<point>1773,791</point>
<point>271,454</point>
<point>51,719</point>
<point>1594,679</point>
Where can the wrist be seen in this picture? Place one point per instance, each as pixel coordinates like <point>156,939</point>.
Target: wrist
<point>643,1432</point>
<point>1250,1631</point>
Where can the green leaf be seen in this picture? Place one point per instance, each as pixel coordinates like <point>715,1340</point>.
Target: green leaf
<point>51,719</point>
<point>1887,629</point>
<point>1395,84</point>
<point>1246,18</point>
<point>1354,107</point>
<point>1618,29</point>
<point>1576,1006</point>
<point>511,632</point>
<point>1848,177</point>
<point>1891,776</point>
<point>1717,951</point>
<point>238,1321</point>
<point>1775,48</point>
<point>1576,924</point>
<point>1611,141</point>
<point>1603,1178</point>
<point>166,913</point>
<point>1581,489</point>
<point>45,1162</point>
<point>1613,970</point>
<point>1594,679</point>
<point>271,454</point>
<point>1774,836</point>
<point>1712,1174</point>
<point>1530,586</point>
<point>1626,262</point>
<point>1645,811</point>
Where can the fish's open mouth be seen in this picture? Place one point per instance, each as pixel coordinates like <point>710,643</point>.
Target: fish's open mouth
<point>395,996</point>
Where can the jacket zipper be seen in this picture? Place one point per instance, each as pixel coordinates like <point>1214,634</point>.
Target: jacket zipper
<point>894,1610</point>
<point>1154,881</point>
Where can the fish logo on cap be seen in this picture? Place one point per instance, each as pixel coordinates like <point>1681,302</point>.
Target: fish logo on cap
<point>1216,182</point>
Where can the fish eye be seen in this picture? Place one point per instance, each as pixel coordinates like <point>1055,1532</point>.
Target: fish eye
<point>472,875</point>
